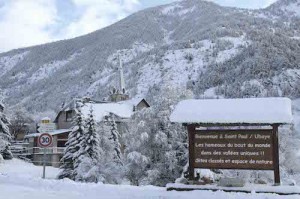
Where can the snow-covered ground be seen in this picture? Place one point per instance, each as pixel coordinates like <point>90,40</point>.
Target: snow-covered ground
<point>21,180</point>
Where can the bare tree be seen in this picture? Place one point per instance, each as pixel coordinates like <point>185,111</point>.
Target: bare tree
<point>20,123</point>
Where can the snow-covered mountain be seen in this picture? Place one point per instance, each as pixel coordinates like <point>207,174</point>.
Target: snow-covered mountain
<point>286,8</point>
<point>191,44</point>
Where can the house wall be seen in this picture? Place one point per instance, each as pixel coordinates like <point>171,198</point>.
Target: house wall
<point>118,97</point>
<point>62,139</point>
<point>142,105</point>
<point>54,141</point>
<point>20,136</point>
<point>62,122</point>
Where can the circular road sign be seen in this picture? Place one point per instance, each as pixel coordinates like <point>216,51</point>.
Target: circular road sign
<point>45,140</point>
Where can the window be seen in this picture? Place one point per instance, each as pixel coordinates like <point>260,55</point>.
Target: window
<point>61,143</point>
<point>69,116</point>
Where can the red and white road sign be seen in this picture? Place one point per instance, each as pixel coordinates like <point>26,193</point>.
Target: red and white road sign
<point>45,140</point>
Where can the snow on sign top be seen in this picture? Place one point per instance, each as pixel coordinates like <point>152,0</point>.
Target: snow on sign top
<point>234,111</point>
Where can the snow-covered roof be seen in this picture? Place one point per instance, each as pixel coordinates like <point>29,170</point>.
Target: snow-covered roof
<point>121,109</point>
<point>234,111</point>
<point>46,118</point>
<point>134,101</point>
<point>55,132</point>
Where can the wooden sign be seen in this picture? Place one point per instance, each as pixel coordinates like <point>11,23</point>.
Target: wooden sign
<point>234,149</point>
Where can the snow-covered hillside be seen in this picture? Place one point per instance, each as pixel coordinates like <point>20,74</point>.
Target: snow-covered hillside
<point>22,180</point>
<point>286,8</point>
<point>187,44</point>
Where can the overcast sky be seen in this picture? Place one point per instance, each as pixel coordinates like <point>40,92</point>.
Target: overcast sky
<point>30,22</point>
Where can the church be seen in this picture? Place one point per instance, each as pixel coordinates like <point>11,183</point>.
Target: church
<point>119,105</point>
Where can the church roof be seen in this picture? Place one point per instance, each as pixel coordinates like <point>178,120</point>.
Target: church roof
<point>120,109</point>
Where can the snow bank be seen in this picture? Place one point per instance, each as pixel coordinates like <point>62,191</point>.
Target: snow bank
<point>224,111</point>
<point>19,179</point>
<point>17,168</point>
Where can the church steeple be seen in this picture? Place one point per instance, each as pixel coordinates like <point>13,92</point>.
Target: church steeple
<point>121,80</point>
<point>119,94</point>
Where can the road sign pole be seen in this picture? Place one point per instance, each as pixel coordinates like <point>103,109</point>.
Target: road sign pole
<point>44,164</point>
<point>44,141</point>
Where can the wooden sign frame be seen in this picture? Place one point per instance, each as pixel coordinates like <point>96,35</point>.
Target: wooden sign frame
<point>275,155</point>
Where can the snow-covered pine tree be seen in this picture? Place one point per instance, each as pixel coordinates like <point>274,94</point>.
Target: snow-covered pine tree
<point>5,136</point>
<point>88,168</point>
<point>80,143</point>
<point>92,138</point>
<point>73,150</point>
<point>67,164</point>
<point>110,167</point>
<point>115,135</point>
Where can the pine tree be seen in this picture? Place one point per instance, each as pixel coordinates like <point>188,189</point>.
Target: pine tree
<point>115,135</point>
<point>67,166</point>
<point>110,166</point>
<point>88,168</point>
<point>5,136</point>
<point>80,143</point>
<point>92,138</point>
<point>73,150</point>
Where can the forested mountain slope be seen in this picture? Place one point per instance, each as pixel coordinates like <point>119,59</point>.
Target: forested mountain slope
<point>192,44</point>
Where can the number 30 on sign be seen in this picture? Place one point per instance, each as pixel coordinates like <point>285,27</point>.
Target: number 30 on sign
<point>45,140</point>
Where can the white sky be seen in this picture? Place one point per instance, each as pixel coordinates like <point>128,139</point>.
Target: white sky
<point>31,22</point>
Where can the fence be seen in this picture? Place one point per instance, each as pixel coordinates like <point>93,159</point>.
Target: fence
<point>49,150</point>
<point>36,150</point>
<point>35,154</point>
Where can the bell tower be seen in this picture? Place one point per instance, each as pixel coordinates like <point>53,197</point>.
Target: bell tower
<point>120,93</point>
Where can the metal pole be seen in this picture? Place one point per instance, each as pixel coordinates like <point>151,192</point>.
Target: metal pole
<point>44,164</point>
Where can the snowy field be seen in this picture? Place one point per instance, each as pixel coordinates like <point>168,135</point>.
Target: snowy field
<point>21,180</point>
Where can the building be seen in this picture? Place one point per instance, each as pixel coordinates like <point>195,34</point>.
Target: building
<point>119,105</point>
<point>122,110</point>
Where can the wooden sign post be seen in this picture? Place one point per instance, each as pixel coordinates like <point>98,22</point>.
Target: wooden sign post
<point>276,155</point>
